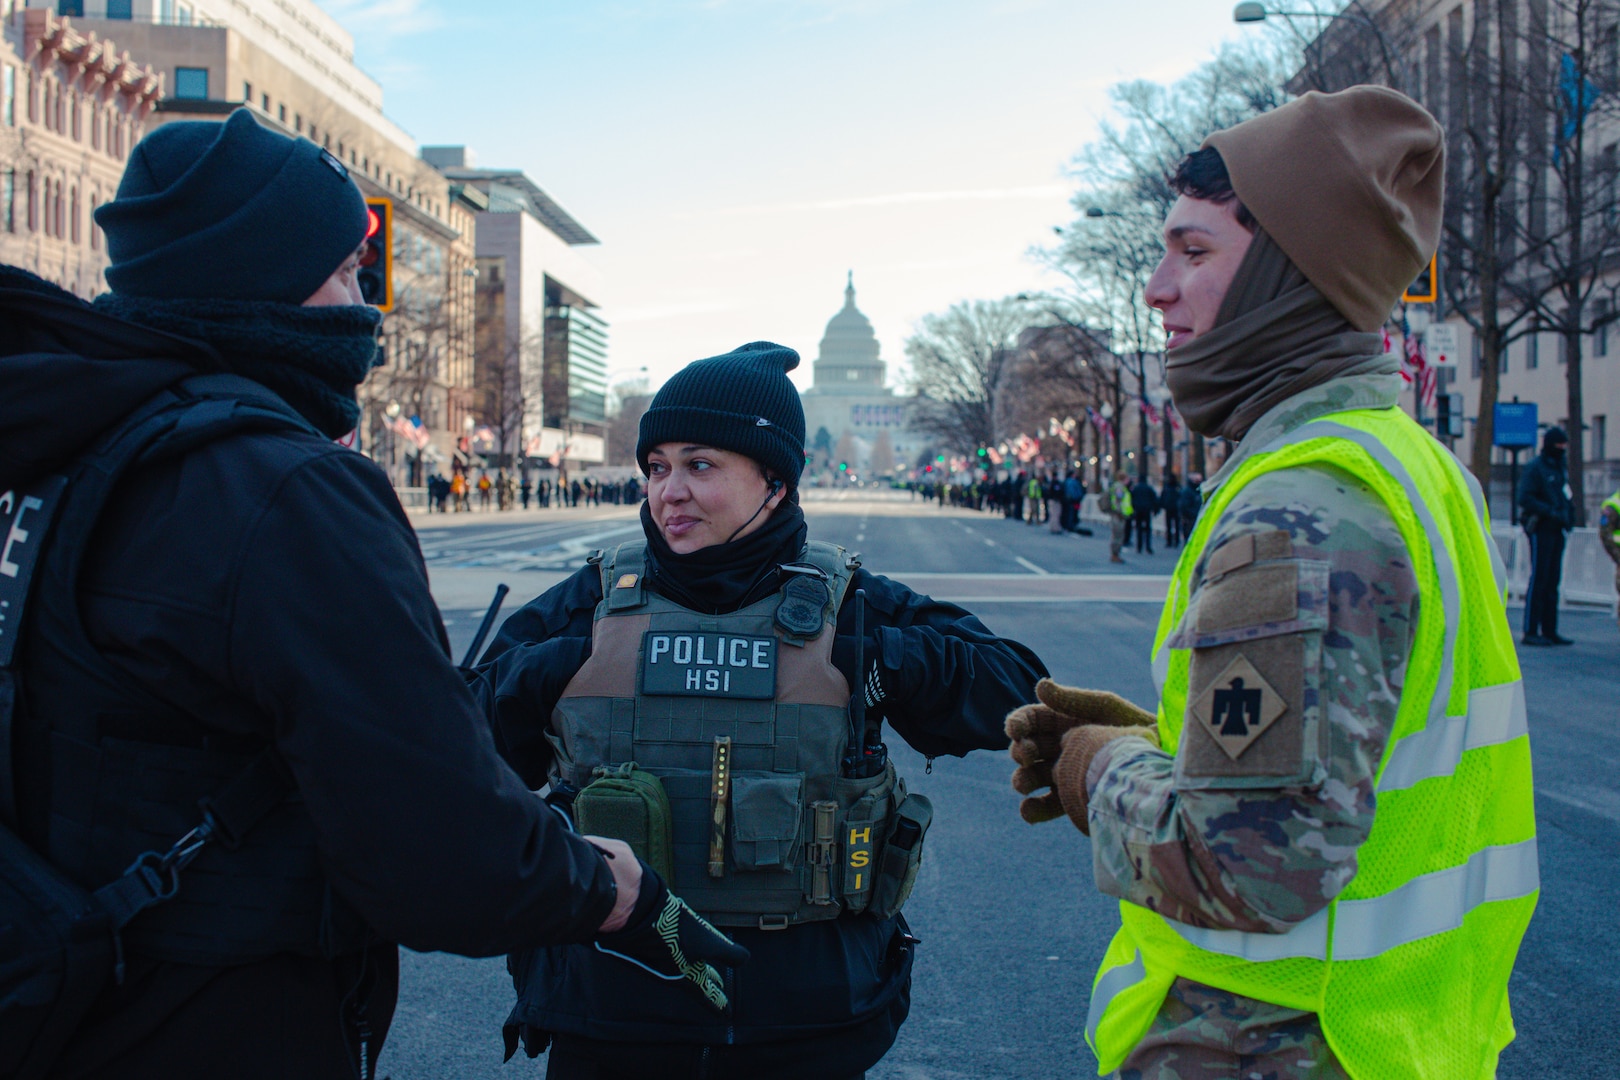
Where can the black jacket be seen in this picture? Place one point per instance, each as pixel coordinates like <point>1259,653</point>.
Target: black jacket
<point>267,589</point>
<point>1144,500</point>
<point>1544,495</point>
<point>949,684</point>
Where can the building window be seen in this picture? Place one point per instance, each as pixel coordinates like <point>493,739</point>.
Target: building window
<point>264,103</point>
<point>1532,352</point>
<point>120,9</point>
<point>8,95</point>
<point>298,123</point>
<point>33,99</point>
<point>281,113</point>
<point>8,200</point>
<point>247,93</point>
<point>73,215</point>
<point>70,7</point>
<point>78,127</point>
<point>191,83</point>
<point>33,201</point>
<point>95,231</point>
<point>182,14</point>
<point>1600,328</point>
<point>1600,438</point>
<point>95,127</point>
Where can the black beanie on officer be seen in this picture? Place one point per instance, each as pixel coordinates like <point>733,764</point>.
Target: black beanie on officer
<point>742,401</point>
<point>229,211</point>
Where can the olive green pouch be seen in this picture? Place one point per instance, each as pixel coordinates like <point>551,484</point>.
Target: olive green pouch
<point>902,856</point>
<point>626,802</point>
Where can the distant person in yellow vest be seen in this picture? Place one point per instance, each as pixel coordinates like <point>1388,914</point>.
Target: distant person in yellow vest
<point>1608,521</point>
<point>1324,843</point>
<point>1117,505</point>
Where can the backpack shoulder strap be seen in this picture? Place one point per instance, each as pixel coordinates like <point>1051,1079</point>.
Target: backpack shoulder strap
<point>58,513</point>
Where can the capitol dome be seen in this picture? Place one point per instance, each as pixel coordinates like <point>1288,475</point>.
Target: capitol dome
<point>848,361</point>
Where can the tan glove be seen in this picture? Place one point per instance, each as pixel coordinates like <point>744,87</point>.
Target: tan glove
<point>1069,794</point>
<point>1037,734</point>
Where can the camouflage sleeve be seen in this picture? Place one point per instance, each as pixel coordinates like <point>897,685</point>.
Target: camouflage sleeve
<point>1607,523</point>
<point>1303,607</point>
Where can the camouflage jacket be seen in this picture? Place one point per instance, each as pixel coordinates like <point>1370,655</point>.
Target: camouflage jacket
<point>1305,587</point>
<point>1608,522</point>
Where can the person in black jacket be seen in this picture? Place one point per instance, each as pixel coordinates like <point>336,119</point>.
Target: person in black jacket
<point>1546,512</point>
<point>1144,504</point>
<point>259,597</point>
<point>722,447</point>
<point>1170,503</point>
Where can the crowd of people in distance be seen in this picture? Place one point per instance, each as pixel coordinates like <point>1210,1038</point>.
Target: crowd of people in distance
<point>1057,502</point>
<point>509,491</point>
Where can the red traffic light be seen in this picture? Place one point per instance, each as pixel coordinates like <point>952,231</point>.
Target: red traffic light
<point>373,223</point>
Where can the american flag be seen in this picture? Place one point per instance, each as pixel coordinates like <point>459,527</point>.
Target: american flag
<point>1415,368</point>
<point>1104,428</point>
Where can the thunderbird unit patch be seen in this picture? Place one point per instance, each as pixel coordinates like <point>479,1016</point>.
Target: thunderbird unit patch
<point>1237,707</point>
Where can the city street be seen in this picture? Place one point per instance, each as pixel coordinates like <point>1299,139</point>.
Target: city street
<point>1011,924</point>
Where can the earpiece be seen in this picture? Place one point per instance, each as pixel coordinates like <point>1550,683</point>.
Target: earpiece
<point>777,485</point>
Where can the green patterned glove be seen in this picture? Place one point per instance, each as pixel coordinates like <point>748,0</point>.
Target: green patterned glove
<point>673,942</point>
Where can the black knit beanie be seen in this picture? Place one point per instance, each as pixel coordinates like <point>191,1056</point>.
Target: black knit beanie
<point>230,211</point>
<point>741,401</point>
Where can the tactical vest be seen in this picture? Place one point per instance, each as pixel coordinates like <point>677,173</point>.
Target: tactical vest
<point>1407,969</point>
<point>665,684</point>
<point>127,773</point>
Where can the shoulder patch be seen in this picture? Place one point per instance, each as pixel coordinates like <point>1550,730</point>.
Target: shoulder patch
<point>1237,706</point>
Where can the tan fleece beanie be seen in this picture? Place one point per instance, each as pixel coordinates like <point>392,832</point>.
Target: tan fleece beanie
<point>1350,186</point>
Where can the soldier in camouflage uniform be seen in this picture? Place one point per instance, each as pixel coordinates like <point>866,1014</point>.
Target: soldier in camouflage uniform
<point>1608,522</point>
<point>1224,834</point>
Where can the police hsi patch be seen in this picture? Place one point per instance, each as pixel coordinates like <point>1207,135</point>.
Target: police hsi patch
<point>1237,707</point>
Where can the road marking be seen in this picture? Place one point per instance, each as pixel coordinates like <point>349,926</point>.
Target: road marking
<point>989,543</point>
<point>1027,565</point>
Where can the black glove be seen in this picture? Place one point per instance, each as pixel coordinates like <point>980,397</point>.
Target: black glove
<point>668,939</point>
<point>846,653</point>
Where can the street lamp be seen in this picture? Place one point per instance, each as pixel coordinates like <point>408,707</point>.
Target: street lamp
<point>1099,212</point>
<point>1250,13</point>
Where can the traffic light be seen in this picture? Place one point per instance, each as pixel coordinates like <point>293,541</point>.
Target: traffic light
<point>1448,415</point>
<point>377,255</point>
<point>843,466</point>
<point>1426,289</point>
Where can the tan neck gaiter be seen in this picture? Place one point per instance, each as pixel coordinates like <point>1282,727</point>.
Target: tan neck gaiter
<point>1274,336</point>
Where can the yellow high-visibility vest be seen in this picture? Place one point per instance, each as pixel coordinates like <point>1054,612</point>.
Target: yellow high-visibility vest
<point>1408,967</point>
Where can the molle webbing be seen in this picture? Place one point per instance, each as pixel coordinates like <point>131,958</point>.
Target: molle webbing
<point>785,753</point>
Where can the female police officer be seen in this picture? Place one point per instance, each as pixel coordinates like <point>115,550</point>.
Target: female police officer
<point>718,655</point>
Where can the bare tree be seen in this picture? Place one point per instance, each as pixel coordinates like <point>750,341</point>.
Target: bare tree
<point>1488,121</point>
<point>882,462</point>
<point>1109,250</point>
<point>1579,234</point>
<point>960,362</point>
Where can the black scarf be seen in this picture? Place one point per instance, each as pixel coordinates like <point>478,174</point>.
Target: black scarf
<point>313,358</point>
<point>723,578</point>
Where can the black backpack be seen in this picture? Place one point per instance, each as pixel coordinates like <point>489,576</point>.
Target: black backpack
<point>59,942</point>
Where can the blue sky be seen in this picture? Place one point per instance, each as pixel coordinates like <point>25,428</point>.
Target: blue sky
<point>736,157</point>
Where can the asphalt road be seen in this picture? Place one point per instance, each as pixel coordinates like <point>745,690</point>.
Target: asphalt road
<point>1011,923</point>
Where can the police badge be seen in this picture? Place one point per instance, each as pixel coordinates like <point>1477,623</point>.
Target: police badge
<point>804,599</point>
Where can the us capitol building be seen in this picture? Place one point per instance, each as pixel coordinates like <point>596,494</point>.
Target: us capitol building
<point>862,417</point>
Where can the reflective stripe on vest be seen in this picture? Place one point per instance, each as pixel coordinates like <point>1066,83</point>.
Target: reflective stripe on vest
<point>1403,907</point>
<point>1426,905</point>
